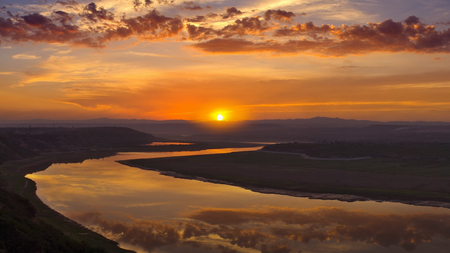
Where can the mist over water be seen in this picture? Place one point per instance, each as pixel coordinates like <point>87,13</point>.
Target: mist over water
<point>149,212</point>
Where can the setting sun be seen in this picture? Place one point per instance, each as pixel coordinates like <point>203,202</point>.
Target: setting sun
<point>220,117</point>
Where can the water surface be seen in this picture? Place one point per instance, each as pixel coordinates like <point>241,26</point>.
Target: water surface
<point>149,212</point>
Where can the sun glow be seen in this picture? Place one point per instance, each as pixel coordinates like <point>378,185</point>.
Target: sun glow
<point>220,117</point>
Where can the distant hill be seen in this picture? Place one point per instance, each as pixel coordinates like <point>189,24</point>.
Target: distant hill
<point>277,130</point>
<point>19,143</point>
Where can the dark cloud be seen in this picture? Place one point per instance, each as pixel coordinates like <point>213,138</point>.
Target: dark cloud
<point>151,26</point>
<point>101,26</point>
<point>138,4</point>
<point>62,17</point>
<point>240,27</point>
<point>275,248</point>
<point>200,33</point>
<point>191,6</point>
<point>387,36</point>
<point>245,26</point>
<point>167,2</point>
<point>279,15</point>
<point>221,46</point>
<point>412,20</point>
<point>93,14</point>
<point>443,23</point>
<point>307,28</point>
<point>196,19</point>
<point>67,3</point>
<point>224,249</point>
<point>231,12</point>
<point>37,28</point>
<point>36,20</point>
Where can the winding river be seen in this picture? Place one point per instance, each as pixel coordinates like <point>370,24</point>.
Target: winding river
<point>148,212</point>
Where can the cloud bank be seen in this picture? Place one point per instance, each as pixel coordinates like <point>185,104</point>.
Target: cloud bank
<point>95,26</point>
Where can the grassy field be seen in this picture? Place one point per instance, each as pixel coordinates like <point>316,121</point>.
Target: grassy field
<point>296,162</point>
<point>378,178</point>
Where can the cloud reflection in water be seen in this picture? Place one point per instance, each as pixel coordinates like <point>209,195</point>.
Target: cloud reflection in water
<point>274,230</point>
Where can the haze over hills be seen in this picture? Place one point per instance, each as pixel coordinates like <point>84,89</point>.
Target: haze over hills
<point>276,130</point>
<point>311,122</point>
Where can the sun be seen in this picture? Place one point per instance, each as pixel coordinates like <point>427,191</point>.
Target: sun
<point>220,117</point>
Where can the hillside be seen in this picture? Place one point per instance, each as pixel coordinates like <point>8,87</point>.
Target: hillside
<point>20,143</point>
<point>22,231</point>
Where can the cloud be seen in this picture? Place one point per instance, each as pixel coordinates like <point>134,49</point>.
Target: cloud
<point>7,73</point>
<point>197,19</point>
<point>279,15</point>
<point>25,57</point>
<point>60,28</point>
<point>67,3</point>
<point>386,36</point>
<point>95,26</point>
<point>349,67</point>
<point>240,27</point>
<point>149,54</point>
<point>137,4</point>
<point>151,26</point>
<point>37,28</point>
<point>224,46</point>
<point>307,28</point>
<point>93,14</point>
<point>245,26</point>
<point>190,6</point>
<point>201,33</point>
<point>231,12</point>
<point>443,23</point>
<point>36,20</point>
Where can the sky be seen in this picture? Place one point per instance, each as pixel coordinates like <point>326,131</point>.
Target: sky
<point>247,60</point>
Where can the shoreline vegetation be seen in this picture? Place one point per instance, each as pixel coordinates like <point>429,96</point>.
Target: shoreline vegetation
<point>411,173</point>
<point>28,224</point>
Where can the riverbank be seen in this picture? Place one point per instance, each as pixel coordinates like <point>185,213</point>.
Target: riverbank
<point>12,178</point>
<point>291,174</point>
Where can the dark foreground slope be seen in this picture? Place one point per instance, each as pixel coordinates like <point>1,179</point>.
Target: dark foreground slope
<point>22,231</point>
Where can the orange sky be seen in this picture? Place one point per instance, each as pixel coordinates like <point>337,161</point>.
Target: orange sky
<point>245,59</point>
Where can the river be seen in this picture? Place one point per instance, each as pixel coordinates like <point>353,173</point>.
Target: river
<point>148,212</point>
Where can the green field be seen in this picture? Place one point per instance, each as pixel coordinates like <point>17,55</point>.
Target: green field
<point>293,172</point>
